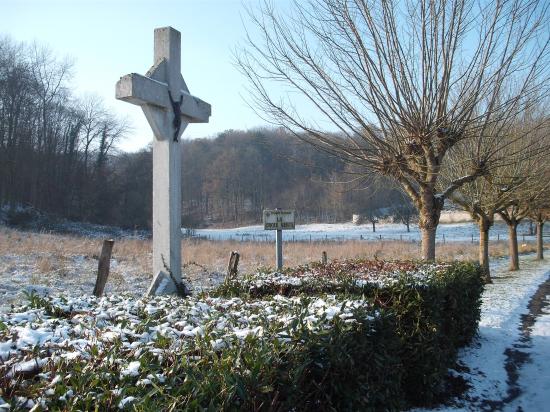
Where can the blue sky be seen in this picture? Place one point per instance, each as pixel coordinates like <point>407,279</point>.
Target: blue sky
<point>108,39</point>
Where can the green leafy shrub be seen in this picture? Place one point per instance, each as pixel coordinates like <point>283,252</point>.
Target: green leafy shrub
<point>354,335</point>
<point>436,307</point>
<point>164,353</point>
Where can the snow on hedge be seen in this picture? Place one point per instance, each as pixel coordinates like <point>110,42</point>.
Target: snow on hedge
<point>50,329</point>
<point>121,333</point>
<point>348,273</point>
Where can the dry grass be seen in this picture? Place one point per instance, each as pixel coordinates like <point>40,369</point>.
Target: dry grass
<point>201,256</point>
<point>215,255</point>
<point>52,249</point>
<point>45,264</point>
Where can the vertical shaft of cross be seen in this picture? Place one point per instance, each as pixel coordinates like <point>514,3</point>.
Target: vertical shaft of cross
<point>167,208</point>
<point>167,169</point>
<point>168,47</point>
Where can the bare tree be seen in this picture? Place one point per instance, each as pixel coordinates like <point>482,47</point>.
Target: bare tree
<point>400,82</point>
<point>404,212</point>
<point>112,131</point>
<point>482,200</point>
<point>540,214</point>
<point>538,205</point>
<point>92,112</point>
<point>50,76</point>
<point>516,150</point>
<point>530,193</point>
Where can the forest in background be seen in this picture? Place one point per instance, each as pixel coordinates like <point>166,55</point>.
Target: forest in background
<point>58,155</point>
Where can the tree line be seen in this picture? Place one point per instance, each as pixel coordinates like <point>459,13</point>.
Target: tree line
<point>55,147</point>
<point>58,154</point>
<point>232,178</point>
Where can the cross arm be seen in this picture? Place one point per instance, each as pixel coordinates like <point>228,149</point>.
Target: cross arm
<point>141,90</point>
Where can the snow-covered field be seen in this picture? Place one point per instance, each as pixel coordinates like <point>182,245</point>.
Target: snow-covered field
<point>455,232</point>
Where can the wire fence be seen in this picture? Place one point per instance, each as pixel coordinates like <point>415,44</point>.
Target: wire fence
<point>270,238</point>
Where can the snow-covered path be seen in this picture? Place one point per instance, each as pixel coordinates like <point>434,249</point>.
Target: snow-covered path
<point>508,365</point>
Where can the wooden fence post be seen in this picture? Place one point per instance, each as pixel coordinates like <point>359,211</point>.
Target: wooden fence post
<point>324,258</point>
<point>103,267</point>
<point>232,267</point>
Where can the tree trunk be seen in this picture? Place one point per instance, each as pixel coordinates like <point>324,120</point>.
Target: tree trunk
<point>428,243</point>
<point>513,245</point>
<point>540,241</point>
<point>429,212</point>
<point>484,248</point>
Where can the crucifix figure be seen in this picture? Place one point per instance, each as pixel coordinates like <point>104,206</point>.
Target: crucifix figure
<point>169,108</point>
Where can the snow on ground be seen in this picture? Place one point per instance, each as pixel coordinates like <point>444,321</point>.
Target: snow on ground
<point>535,375</point>
<point>76,275</point>
<point>506,371</point>
<point>457,232</point>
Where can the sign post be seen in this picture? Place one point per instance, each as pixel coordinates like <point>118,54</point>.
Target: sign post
<point>279,220</point>
<point>279,249</point>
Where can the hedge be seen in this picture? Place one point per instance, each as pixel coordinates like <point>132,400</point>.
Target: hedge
<point>436,307</point>
<point>163,353</point>
<point>353,335</point>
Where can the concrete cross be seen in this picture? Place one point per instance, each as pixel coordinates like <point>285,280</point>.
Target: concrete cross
<point>169,108</point>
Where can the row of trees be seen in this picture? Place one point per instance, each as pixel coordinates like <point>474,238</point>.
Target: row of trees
<point>515,190</point>
<point>444,97</point>
<point>54,147</point>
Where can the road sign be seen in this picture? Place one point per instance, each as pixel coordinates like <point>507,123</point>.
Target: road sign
<point>279,220</point>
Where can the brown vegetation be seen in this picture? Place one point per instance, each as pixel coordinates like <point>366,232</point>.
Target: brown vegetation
<point>201,257</point>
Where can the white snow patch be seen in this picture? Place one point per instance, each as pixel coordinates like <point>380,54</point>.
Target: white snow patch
<point>126,401</point>
<point>132,369</point>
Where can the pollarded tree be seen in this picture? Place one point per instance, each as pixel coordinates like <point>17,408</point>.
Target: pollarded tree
<point>540,214</point>
<point>512,216</point>
<point>539,205</point>
<point>400,83</point>
<point>482,200</point>
<point>516,150</point>
<point>530,164</point>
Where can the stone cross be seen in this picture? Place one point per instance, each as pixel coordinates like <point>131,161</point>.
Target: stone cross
<point>169,108</point>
